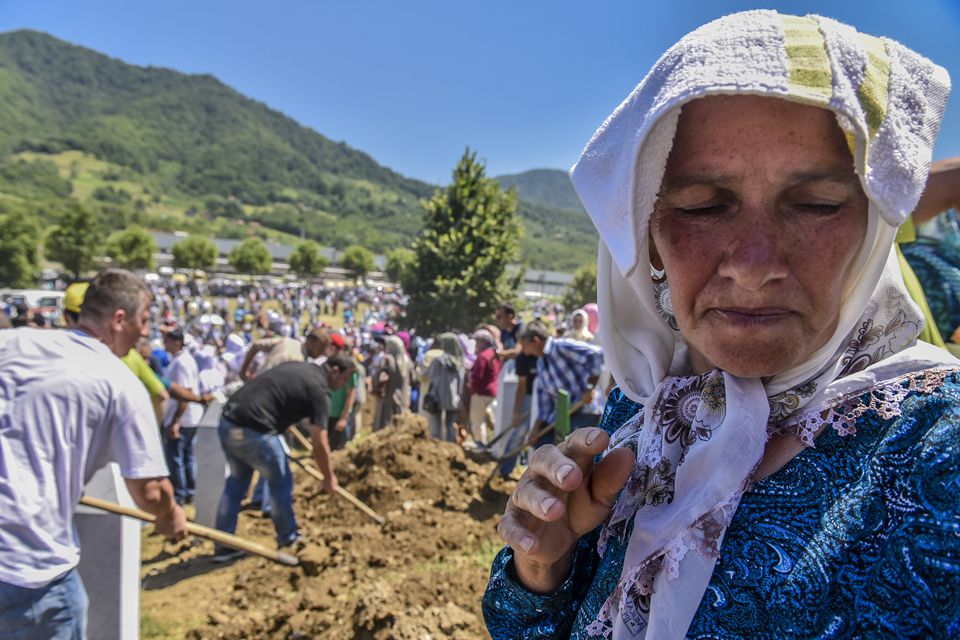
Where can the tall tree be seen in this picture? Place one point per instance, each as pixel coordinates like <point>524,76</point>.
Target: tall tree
<point>19,251</point>
<point>306,260</point>
<point>357,260</point>
<point>194,252</point>
<point>251,256</point>
<point>470,235</point>
<point>76,241</point>
<point>132,248</point>
<point>401,265</point>
<point>583,288</point>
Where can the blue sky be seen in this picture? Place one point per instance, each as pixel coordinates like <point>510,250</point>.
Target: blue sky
<point>524,82</point>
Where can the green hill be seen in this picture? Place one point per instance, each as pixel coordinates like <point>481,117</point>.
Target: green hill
<point>550,187</point>
<point>175,151</point>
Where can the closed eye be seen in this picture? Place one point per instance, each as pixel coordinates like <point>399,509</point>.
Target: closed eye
<point>819,208</point>
<point>704,210</point>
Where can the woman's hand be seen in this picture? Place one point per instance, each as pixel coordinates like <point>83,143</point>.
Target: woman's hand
<point>561,497</point>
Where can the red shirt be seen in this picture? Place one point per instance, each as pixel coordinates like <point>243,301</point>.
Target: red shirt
<point>485,373</point>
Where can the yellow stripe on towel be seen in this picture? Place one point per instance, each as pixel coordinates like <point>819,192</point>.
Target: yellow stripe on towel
<point>872,93</point>
<point>808,67</point>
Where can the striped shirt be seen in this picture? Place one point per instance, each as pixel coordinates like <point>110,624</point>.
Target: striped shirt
<point>566,364</point>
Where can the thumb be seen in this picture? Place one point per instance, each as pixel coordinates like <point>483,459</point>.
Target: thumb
<point>589,508</point>
<point>610,475</point>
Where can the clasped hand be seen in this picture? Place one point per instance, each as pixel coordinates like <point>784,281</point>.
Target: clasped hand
<point>561,496</point>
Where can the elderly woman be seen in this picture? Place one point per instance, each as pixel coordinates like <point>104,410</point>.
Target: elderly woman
<point>783,458</point>
<point>578,327</point>
<point>443,382</point>
<point>391,383</point>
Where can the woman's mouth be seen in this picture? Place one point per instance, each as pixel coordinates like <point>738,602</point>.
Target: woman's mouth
<point>752,316</point>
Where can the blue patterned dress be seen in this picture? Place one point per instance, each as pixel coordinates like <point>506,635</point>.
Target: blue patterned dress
<point>937,265</point>
<point>858,537</point>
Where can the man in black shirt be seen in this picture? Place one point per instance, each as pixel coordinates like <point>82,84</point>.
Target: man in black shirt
<point>261,409</point>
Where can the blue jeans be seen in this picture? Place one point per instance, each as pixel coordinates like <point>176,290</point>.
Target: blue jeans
<point>261,496</point>
<point>248,449</point>
<point>182,462</point>
<point>57,610</point>
<point>444,431</point>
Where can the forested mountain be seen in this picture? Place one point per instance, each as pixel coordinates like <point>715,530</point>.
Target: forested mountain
<point>175,151</point>
<point>550,187</point>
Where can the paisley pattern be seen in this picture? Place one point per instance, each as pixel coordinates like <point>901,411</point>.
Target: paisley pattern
<point>857,537</point>
<point>937,265</point>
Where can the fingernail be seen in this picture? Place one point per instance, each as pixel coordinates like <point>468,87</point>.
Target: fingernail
<point>527,543</point>
<point>593,435</point>
<point>563,472</point>
<point>546,503</point>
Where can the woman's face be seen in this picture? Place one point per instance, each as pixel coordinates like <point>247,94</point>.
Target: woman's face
<point>578,321</point>
<point>757,222</point>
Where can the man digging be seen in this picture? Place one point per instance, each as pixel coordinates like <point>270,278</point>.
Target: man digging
<point>263,408</point>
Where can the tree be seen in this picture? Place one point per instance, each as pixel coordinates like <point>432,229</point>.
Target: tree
<point>194,252</point>
<point>401,265</point>
<point>132,248</point>
<point>76,241</point>
<point>19,251</point>
<point>306,260</point>
<point>583,288</point>
<point>357,260</point>
<point>251,256</point>
<point>470,235</point>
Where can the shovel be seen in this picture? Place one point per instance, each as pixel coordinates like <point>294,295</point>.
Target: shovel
<point>220,537</point>
<point>316,475</point>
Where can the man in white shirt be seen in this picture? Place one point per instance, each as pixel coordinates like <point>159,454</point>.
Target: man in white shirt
<point>68,406</point>
<point>179,424</point>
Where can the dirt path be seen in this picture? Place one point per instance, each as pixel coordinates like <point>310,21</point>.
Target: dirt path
<point>419,576</point>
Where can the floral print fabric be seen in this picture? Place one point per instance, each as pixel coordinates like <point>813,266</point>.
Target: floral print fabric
<point>856,537</point>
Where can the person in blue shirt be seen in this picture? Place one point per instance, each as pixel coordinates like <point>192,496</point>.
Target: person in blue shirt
<point>781,457</point>
<point>562,365</point>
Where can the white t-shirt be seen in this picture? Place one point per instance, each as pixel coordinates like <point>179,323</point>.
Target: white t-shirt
<point>183,370</point>
<point>68,406</point>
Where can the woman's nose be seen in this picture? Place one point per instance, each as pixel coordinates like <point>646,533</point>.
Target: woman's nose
<point>755,255</point>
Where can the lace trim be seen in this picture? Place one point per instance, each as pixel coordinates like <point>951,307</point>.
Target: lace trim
<point>704,534</point>
<point>634,590</point>
<point>843,413</point>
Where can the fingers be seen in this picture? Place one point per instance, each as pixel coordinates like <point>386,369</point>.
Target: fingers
<point>515,529</point>
<point>538,497</point>
<point>583,445</point>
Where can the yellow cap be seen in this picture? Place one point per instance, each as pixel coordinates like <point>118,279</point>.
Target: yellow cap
<point>74,296</point>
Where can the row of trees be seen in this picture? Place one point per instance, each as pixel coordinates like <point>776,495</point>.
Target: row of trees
<point>78,240</point>
<point>455,273</point>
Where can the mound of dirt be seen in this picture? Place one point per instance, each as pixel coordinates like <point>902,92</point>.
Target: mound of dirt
<point>419,576</point>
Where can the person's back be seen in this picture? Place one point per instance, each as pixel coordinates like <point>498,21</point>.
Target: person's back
<point>280,397</point>
<point>67,407</point>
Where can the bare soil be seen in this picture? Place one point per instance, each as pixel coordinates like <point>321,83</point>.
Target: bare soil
<point>419,576</point>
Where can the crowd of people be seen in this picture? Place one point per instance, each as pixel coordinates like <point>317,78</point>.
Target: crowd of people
<point>272,358</point>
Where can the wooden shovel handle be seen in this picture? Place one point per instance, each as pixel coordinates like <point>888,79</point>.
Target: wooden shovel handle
<point>314,473</point>
<point>220,537</point>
